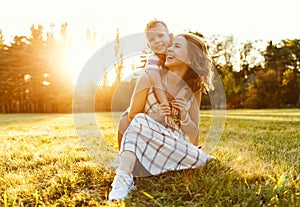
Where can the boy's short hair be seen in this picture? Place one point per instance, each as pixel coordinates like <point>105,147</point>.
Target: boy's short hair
<point>154,22</point>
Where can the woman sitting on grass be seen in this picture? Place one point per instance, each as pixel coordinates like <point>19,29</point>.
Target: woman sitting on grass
<point>151,147</point>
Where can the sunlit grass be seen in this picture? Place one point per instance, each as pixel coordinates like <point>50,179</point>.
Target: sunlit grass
<point>44,162</point>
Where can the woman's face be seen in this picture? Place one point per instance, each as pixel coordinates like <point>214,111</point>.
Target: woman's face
<point>177,53</point>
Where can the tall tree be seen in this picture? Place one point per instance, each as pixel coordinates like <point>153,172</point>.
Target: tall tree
<point>2,44</point>
<point>284,59</point>
<point>3,76</point>
<point>14,67</point>
<point>118,65</point>
<point>290,88</point>
<point>38,67</point>
<point>224,50</point>
<point>264,91</point>
<point>277,58</point>
<point>60,86</point>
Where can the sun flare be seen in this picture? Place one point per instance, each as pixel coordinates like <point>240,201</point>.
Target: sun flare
<point>76,57</point>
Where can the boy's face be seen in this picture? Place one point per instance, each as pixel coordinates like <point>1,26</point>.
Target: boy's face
<point>158,39</point>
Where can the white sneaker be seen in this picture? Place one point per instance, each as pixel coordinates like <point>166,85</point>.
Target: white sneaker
<point>116,163</point>
<point>122,185</point>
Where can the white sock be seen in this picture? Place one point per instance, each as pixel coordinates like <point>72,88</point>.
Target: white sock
<point>127,161</point>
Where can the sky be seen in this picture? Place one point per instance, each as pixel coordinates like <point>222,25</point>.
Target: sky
<point>244,19</point>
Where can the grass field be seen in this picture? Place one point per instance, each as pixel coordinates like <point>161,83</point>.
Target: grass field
<point>43,163</point>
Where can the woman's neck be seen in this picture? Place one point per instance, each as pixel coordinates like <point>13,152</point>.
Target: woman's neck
<point>174,79</point>
<point>180,70</point>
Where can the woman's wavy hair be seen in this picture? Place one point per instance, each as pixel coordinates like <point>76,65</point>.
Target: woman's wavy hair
<point>200,74</point>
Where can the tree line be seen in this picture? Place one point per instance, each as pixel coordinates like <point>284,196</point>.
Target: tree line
<point>258,74</point>
<point>33,79</point>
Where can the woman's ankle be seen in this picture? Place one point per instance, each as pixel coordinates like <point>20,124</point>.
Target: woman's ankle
<point>123,172</point>
<point>127,162</point>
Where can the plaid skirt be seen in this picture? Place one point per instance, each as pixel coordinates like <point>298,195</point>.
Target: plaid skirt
<point>159,149</point>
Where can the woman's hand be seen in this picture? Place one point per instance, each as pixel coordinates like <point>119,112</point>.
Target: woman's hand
<point>181,105</point>
<point>166,111</point>
<point>170,122</point>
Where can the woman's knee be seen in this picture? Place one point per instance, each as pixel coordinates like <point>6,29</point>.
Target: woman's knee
<point>123,124</point>
<point>138,117</point>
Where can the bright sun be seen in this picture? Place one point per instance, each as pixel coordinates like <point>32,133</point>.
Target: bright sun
<point>77,56</point>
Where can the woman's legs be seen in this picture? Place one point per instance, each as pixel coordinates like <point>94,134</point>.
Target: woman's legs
<point>123,181</point>
<point>123,125</point>
<point>127,161</point>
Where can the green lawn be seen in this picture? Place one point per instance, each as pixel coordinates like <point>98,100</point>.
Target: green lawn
<point>44,163</point>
